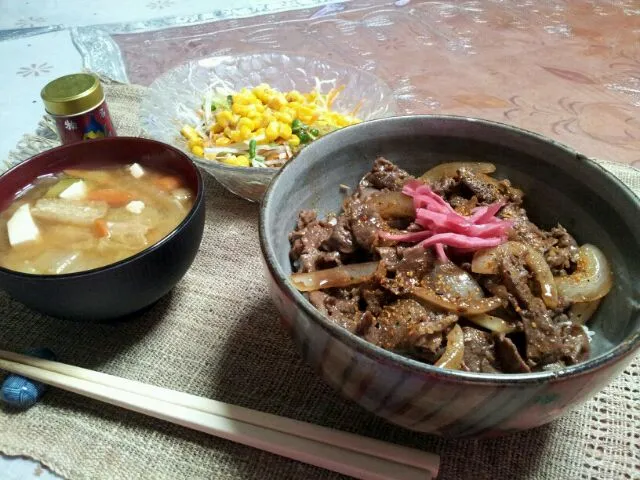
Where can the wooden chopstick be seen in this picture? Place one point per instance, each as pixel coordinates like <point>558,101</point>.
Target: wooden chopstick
<point>305,442</point>
<point>370,446</point>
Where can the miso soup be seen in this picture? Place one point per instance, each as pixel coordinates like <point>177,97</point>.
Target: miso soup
<point>79,220</point>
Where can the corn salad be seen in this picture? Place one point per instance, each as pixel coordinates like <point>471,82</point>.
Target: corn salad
<point>262,127</point>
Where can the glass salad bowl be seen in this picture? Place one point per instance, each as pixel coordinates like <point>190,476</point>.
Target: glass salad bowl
<point>174,98</point>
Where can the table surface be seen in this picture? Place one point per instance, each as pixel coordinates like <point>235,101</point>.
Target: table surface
<point>568,70</point>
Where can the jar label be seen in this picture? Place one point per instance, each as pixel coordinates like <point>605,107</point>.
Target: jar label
<point>93,124</point>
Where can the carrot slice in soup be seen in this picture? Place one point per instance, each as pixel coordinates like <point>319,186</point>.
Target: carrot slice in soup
<point>100,227</point>
<point>167,183</point>
<point>112,196</point>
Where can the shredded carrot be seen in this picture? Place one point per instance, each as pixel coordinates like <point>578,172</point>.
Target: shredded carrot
<point>357,108</point>
<point>333,93</point>
<point>113,196</point>
<point>100,228</point>
<point>167,183</point>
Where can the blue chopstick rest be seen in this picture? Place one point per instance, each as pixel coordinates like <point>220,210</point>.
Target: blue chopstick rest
<point>20,392</point>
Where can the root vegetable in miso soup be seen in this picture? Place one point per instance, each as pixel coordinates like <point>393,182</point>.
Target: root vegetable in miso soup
<point>79,220</point>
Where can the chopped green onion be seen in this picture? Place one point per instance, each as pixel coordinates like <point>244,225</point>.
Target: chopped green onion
<point>252,148</point>
<point>297,127</point>
<point>230,100</point>
<point>315,132</point>
<point>304,137</point>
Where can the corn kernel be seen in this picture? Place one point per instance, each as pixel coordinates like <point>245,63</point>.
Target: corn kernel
<point>267,97</point>
<point>285,131</point>
<point>261,92</point>
<point>245,122</point>
<point>305,118</point>
<point>198,150</point>
<point>240,109</point>
<point>277,101</point>
<point>224,118</point>
<point>272,130</point>
<point>235,136</point>
<point>239,161</point>
<point>189,132</point>
<point>259,136</point>
<point>283,117</point>
<point>245,97</point>
<point>294,141</point>
<point>197,142</point>
<point>222,141</point>
<point>294,96</point>
<point>245,133</point>
<point>243,161</point>
<point>341,122</point>
<point>266,120</point>
<point>306,111</point>
<point>217,128</point>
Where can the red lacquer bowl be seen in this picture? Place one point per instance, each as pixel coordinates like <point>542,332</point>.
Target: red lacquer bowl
<point>124,287</point>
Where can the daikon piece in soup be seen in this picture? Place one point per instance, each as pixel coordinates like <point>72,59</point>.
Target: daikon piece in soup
<point>79,220</point>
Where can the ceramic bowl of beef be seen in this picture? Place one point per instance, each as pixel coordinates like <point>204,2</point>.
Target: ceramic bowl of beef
<point>452,275</point>
<point>99,230</point>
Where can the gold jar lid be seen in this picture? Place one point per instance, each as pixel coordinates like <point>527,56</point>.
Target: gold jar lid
<point>72,94</point>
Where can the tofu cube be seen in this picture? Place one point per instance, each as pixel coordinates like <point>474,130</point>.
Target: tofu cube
<point>135,206</point>
<point>21,227</point>
<point>136,170</point>
<point>75,191</point>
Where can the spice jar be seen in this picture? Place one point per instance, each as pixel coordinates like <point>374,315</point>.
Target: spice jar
<point>76,103</point>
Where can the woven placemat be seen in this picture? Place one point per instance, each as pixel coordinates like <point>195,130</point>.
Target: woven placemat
<point>217,335</point>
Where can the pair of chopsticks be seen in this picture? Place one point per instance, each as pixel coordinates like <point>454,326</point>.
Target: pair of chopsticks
<point>346,453</point>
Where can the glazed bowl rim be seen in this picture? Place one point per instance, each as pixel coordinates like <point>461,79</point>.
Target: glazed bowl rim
<point>198,202</point>
<point>626,346</point>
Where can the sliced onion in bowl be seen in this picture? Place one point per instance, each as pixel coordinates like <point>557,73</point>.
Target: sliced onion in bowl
<point>461,307</point>
<point>393,205</point>
<point>591,280</point>
<point>342,276</point>
<point>455,282</point>
<point>486,262</point>
<point>450,170</point>
<point>454,353</point>
<point>491,323</point>
<point>580,313</point>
